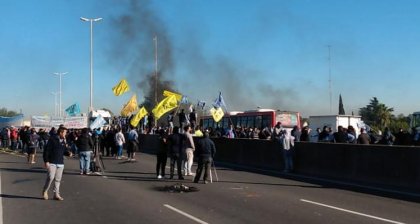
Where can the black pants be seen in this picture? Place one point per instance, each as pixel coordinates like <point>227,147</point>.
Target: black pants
<point>161,164</point>
<point>132,148</point>
<point>203,162</point>
<point>178,160</point>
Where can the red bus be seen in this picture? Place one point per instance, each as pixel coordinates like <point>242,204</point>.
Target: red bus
<point>255,119</point>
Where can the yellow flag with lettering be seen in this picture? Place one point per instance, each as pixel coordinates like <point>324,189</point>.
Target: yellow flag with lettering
<point>121,88</point>
<point>136,119</point>
<point>169,93</point>
<point>165,106</point>
<point>130,107</point>
<point>217,113</point>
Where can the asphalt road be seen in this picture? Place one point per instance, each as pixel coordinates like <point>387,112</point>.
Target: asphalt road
<point>129,192</point>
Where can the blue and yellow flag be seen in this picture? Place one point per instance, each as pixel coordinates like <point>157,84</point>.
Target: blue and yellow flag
<point>217,113</point>
<point>136,119</point>
<point>130,107</point>
<point>121,88</point>
<point>219,102</point>
<point>165,106</point>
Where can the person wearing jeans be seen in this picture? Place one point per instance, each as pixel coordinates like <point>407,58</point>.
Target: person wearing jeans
<point>85,146</point>
<point>54,162</point>
<point>119,141</point>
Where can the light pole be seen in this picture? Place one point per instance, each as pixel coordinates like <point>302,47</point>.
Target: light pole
<point>91,57</point>
<point>55,102</point>
<point>61,93</point>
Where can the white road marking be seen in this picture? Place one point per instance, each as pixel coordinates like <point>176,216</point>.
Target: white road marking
<point>185,214</point>
<point>352,212</point>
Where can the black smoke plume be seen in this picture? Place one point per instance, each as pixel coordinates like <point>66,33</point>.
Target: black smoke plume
<point>133,47</point>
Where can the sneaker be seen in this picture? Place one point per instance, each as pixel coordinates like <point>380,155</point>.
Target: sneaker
<point>88,173</point>
<point>132,159</point>
<point>58,197</point>
<point>45,195</point>
<point>205,182</point>
<point>33,162</point>
<point>81,172</point>
<point>159,177</point>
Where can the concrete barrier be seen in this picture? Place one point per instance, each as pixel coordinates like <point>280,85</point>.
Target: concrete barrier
<point>377,165</point>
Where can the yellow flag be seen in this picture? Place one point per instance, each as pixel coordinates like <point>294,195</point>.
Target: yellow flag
<point>121,88</point>
<point>165,106</point>
<point>169,93</point>
<point>130,107</point>
<point>136,119</point>
<point>217,114</point>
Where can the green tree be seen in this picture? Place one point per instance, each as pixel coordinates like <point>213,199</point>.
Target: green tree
<point>376,114</point>
<point>7,113</point>
<point>398,122</point>
<point>341,107</point>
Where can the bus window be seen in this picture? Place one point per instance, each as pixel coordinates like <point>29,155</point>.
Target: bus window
<point>234,121</point>
<point>258,122</point>
<point>266,121</point>
<point>250,122</point>
<point>211,123</point>
<point>241,121</point>
<point>225,121</point>
<point>205,123</point>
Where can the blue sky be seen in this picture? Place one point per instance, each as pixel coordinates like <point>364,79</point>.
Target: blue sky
<point>268,53</point>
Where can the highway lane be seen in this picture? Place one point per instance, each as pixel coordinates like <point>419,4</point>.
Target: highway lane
<point>131,193</point>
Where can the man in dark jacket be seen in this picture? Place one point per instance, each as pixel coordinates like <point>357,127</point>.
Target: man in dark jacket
<point>85,147</point>
<point>205,152</point>
<point>54,162</point>
<point>176,152</point>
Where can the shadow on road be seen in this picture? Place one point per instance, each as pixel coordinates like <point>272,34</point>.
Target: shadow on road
<point>30,170</point>
<point>18,197</point>
<point>272,184</point>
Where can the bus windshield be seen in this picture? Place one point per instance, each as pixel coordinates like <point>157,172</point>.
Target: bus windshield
<point>415,122</point>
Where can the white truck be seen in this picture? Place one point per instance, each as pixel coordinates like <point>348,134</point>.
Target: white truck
<point>334,121</point>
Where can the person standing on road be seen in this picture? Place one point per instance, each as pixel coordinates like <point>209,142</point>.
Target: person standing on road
<point>189,150</point>
<point>287,142</point>
<point>162,154</point>
<point>54,162</point>
<point>119,142</point>
<point>206,150</point>
<point>32,146</point>
<point>176,152</point>
<point>85,146</point>
<point>133,144</point>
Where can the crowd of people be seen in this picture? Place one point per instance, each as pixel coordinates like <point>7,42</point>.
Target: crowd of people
<point>176,143</point>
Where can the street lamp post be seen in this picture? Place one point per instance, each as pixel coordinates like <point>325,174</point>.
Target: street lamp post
<point>55,102</point>
<point>91,57</point>
<point>61,93</point>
